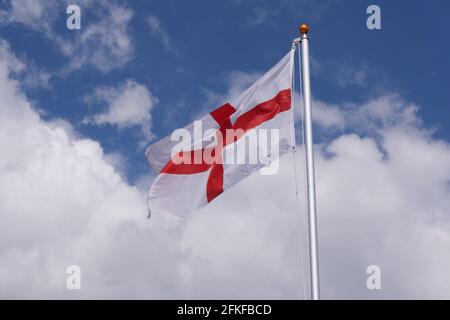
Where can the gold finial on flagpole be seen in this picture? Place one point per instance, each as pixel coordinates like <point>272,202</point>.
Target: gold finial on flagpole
<point>304,29</point>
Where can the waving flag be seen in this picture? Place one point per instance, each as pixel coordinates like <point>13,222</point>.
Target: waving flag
<point>200,161</point>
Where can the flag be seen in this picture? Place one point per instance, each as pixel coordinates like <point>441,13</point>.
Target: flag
<point>197,163</point>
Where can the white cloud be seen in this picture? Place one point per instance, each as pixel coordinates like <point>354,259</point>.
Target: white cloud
<point>128,105</point>
<point>103,42</point>
<point>386,207</point>
<point>63,203</point>
<point>34,14</point>
<point>14,64</point>
<point>376,114</point>
<point>159,32</point>
<point>59,196</point>
<point>31,76</point>
<point>327,116</point>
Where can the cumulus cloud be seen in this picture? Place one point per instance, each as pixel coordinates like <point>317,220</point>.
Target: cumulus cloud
<point>378,113</point>
<point>385,209</point>
<point>59,196</point>
<point>326,115</point>
<point>383,199</point>
<point>127,105</point>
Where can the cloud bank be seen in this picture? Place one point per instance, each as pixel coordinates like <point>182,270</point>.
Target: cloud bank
<point>383,199</point>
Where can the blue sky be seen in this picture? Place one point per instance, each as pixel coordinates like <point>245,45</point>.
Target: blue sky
<point>206,40</point>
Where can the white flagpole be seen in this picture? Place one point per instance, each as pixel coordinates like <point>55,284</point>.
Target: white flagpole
<point>309,145</point>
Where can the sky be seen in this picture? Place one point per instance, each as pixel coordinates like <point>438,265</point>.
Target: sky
<point>79,107</point>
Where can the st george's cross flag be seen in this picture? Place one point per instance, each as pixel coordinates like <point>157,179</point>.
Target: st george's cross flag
<point>197,163</point>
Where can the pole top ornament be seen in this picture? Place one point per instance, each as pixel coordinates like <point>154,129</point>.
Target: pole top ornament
<point>303,28</point>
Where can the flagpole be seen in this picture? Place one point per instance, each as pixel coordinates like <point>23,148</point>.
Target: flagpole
<point>309,145</point>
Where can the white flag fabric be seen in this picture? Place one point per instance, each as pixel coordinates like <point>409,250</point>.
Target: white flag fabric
<point>197,163</point>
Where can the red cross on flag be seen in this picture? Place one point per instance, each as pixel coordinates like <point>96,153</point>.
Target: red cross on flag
<point>247,133</point>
